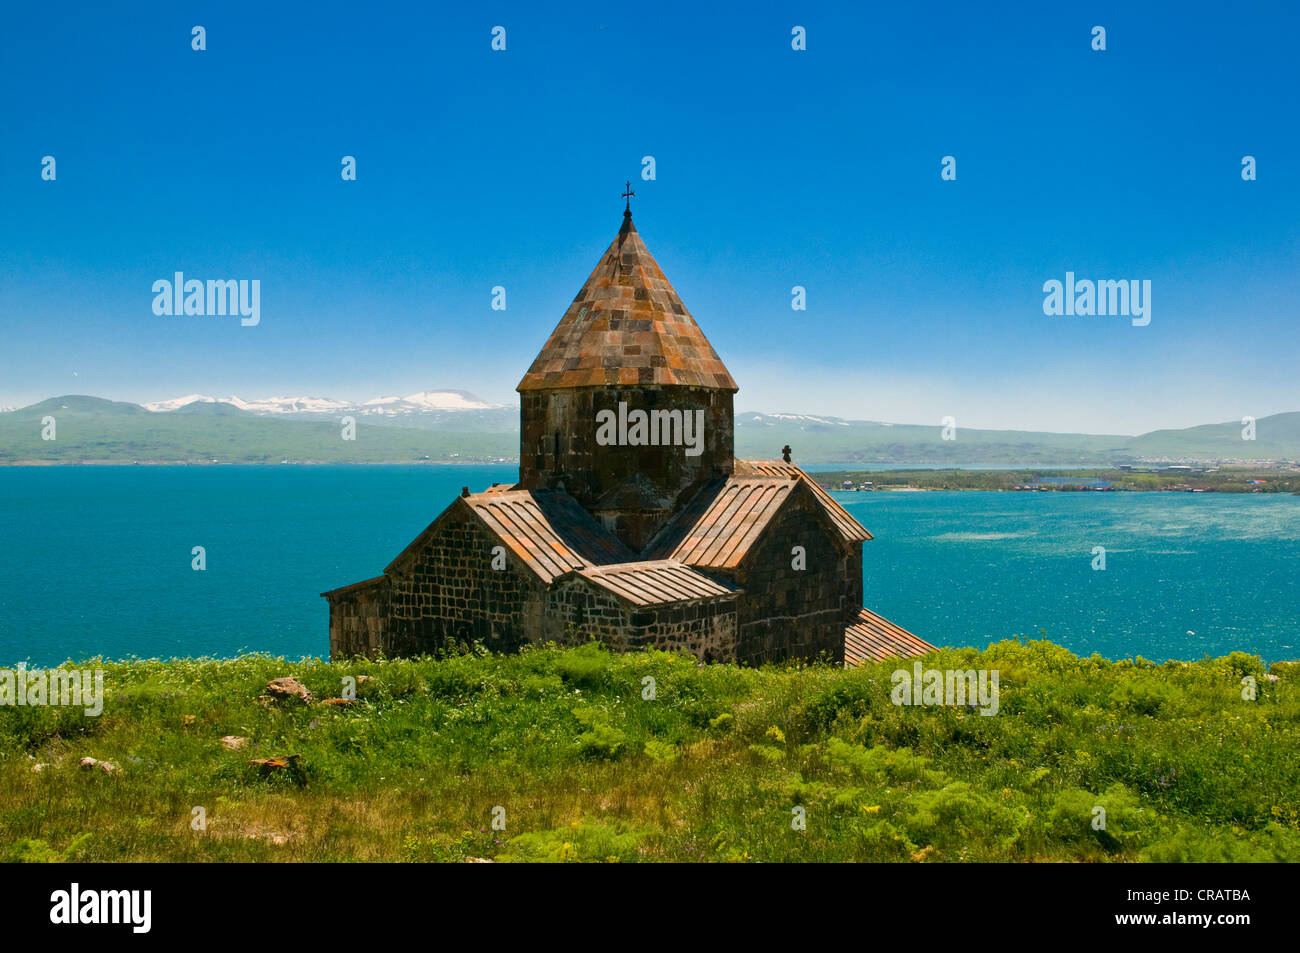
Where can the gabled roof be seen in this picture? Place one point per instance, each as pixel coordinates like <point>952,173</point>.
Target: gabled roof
<point>656,582</point>
<point>627,326</point>
<point>872,637</point>
<point>849,528</point>
<point>726,518</point>
<point>355,587</point>
<point>722,523</point>
<point>546,529</point>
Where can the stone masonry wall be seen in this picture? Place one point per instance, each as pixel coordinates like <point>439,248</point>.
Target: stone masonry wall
<point>704,628</point>
<point>788,613</point>
<point>633,490</point>
<point>451,592</point>
<point>360,621</point>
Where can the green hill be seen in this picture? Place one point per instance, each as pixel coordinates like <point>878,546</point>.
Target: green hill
<point>1276,437</point>
<point>566,750</point>
<point>77,405</point>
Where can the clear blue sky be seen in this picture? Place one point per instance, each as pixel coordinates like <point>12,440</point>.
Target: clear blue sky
<point>775,168</point>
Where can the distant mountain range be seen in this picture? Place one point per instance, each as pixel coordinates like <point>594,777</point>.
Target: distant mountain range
<point>826,440</point>
<point>451,410</point>
<point>452,426</point>
<point>424,402</point>
<point>94,430</point>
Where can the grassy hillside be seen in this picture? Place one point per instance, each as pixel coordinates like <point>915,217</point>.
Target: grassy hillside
<point>710,769</point>
<point>1275,436</point>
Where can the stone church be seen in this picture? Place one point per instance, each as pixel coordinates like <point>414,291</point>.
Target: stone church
<point>632,521</point>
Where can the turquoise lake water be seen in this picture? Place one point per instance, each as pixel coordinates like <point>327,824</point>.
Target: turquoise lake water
<point>96,560</point>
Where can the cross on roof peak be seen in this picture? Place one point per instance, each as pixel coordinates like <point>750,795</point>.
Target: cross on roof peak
<point>627,194</point>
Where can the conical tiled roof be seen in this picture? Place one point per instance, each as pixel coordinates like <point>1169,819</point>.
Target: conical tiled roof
<point>627,327</point>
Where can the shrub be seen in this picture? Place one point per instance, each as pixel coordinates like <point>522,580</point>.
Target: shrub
<point>1190,846</point>
<point>961,818</point>
<point>31,851</point>
<point>602,741</point>
<point>585,666</point>
<point>660,750</point>
<point>1072,817</point>
<point>580,841</point>
<point>880,764</point>
<point>1146,696</point>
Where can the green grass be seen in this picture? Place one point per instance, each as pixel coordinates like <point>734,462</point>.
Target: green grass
<point>710,769</point>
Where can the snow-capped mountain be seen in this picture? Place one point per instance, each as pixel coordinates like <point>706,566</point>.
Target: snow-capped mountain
<point>269,405</point>
<point>797,419</point>
<point>421,403</point>
<point>425,401</point>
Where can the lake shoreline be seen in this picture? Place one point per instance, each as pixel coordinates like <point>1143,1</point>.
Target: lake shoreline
<point>1234,480</point>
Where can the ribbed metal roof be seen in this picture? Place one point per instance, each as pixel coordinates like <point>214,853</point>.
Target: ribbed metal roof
<point>726,518</point>
<point>718,527</point>
<point>849,528</point>
<point>627,327</point>
<point>656,582</point>
<point>546,529</point>
<point>871,637</point>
